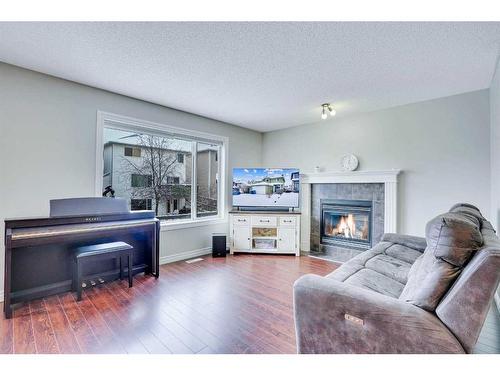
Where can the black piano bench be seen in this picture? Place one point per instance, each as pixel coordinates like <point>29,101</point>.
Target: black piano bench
<point>92,253</point>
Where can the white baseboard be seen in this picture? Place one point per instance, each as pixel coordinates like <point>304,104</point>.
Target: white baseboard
<point>185,255</point>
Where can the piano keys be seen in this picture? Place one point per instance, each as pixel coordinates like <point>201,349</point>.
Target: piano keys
<point>39,251</point>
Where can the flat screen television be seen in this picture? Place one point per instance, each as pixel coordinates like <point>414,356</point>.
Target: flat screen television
<point>266,187</point>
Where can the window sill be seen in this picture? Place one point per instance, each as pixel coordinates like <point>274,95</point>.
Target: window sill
<point>165,226</point>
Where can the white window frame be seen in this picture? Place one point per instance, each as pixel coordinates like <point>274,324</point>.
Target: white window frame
<point>126,123</point>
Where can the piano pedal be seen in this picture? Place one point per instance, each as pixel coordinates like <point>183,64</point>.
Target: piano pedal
<point>92,282</point>
<point>84,285</point>
<point>101,281</point>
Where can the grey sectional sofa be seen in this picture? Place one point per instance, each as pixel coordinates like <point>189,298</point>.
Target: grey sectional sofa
<point>407,294</point>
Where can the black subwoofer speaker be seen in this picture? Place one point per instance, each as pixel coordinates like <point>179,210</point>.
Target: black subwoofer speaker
<point>219,245</point>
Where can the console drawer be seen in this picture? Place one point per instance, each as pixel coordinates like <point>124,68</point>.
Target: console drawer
<point>264,221</point>
<point>288,221</point>
<point>241,220</point>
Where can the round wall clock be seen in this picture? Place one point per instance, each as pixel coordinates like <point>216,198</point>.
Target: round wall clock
<point>349,162</point>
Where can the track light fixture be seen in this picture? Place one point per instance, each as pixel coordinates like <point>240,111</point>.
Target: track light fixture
<point>327,107</point>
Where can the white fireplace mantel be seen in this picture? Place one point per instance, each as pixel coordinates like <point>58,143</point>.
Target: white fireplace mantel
<point>388,178</point>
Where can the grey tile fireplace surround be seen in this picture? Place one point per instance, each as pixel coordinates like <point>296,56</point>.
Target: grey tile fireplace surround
<point>351,191</point>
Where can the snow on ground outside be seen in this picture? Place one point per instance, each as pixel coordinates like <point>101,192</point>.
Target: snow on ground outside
<point>285,199</point>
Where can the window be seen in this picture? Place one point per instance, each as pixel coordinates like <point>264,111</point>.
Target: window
<point>207,173</point>
<point>141,180</point>
<point>167,164</point>
<point>132,151</point>
<point>155,176</point>
<point>140,204</point>
<point>173,180</point>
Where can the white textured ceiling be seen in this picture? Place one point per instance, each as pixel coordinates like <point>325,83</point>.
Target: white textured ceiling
<point>263,76</point>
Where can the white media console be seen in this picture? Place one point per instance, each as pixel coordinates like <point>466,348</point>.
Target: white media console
<point>267,232</point>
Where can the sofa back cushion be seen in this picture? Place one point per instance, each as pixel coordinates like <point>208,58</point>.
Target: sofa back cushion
<point>470,211</point>
<point>452,239</point>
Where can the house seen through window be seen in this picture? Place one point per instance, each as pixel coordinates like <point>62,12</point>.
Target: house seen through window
<point>140,204</point>
<point>156,172</point>
<point>173,180</point>
<point>140,180</point>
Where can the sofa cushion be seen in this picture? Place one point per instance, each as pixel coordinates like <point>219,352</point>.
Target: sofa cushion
<point>469,211</point>
<point>452,238</point>
<point>383,269</point>
<point>428,281</point>
<point>403,253</point>
<point>488,228</point>
<point>392,267</point>
<point>373,280</point>
<point>412,242</point>
<point>467,206</point>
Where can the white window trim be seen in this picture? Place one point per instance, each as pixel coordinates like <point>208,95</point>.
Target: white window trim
<point>107,119</point>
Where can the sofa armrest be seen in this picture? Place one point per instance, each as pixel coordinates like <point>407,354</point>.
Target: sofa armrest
<point>334,317</point>
<point>414,242</point>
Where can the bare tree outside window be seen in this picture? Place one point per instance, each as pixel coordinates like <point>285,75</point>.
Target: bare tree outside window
<point>160,161</point>
<point>158,174</point>
<point>156,171</point>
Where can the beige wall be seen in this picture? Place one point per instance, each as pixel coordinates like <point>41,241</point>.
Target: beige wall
<point>441,145</point>
<point>47,149</point>
<point>47,146</point>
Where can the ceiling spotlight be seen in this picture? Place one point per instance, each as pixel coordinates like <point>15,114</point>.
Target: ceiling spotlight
<point>327,107</point>
<point>332,111</point>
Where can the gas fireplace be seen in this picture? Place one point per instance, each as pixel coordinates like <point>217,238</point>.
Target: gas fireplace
<point>346,223</point>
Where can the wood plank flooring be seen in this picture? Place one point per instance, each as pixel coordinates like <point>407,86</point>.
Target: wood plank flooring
<point>238,304</point>
<point>489,339</point>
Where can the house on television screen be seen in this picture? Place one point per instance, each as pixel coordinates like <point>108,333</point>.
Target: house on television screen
<point>268,185</point>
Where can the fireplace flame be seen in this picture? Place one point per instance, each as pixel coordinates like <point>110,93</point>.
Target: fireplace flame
<point>347,226</point>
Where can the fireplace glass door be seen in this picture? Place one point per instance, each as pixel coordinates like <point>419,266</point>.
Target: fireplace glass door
<point>346,223</point>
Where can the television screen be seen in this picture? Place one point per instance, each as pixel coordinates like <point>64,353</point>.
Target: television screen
<point>265,187</point>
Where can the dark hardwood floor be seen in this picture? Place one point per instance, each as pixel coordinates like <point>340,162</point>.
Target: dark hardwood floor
<point>238,304</point>
<point>489,339</point>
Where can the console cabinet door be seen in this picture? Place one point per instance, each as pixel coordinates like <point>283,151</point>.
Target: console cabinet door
<point>286,241</point>
<point>241,237</point>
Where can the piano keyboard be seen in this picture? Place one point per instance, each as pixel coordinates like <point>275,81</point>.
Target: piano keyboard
<point>58,230</point>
